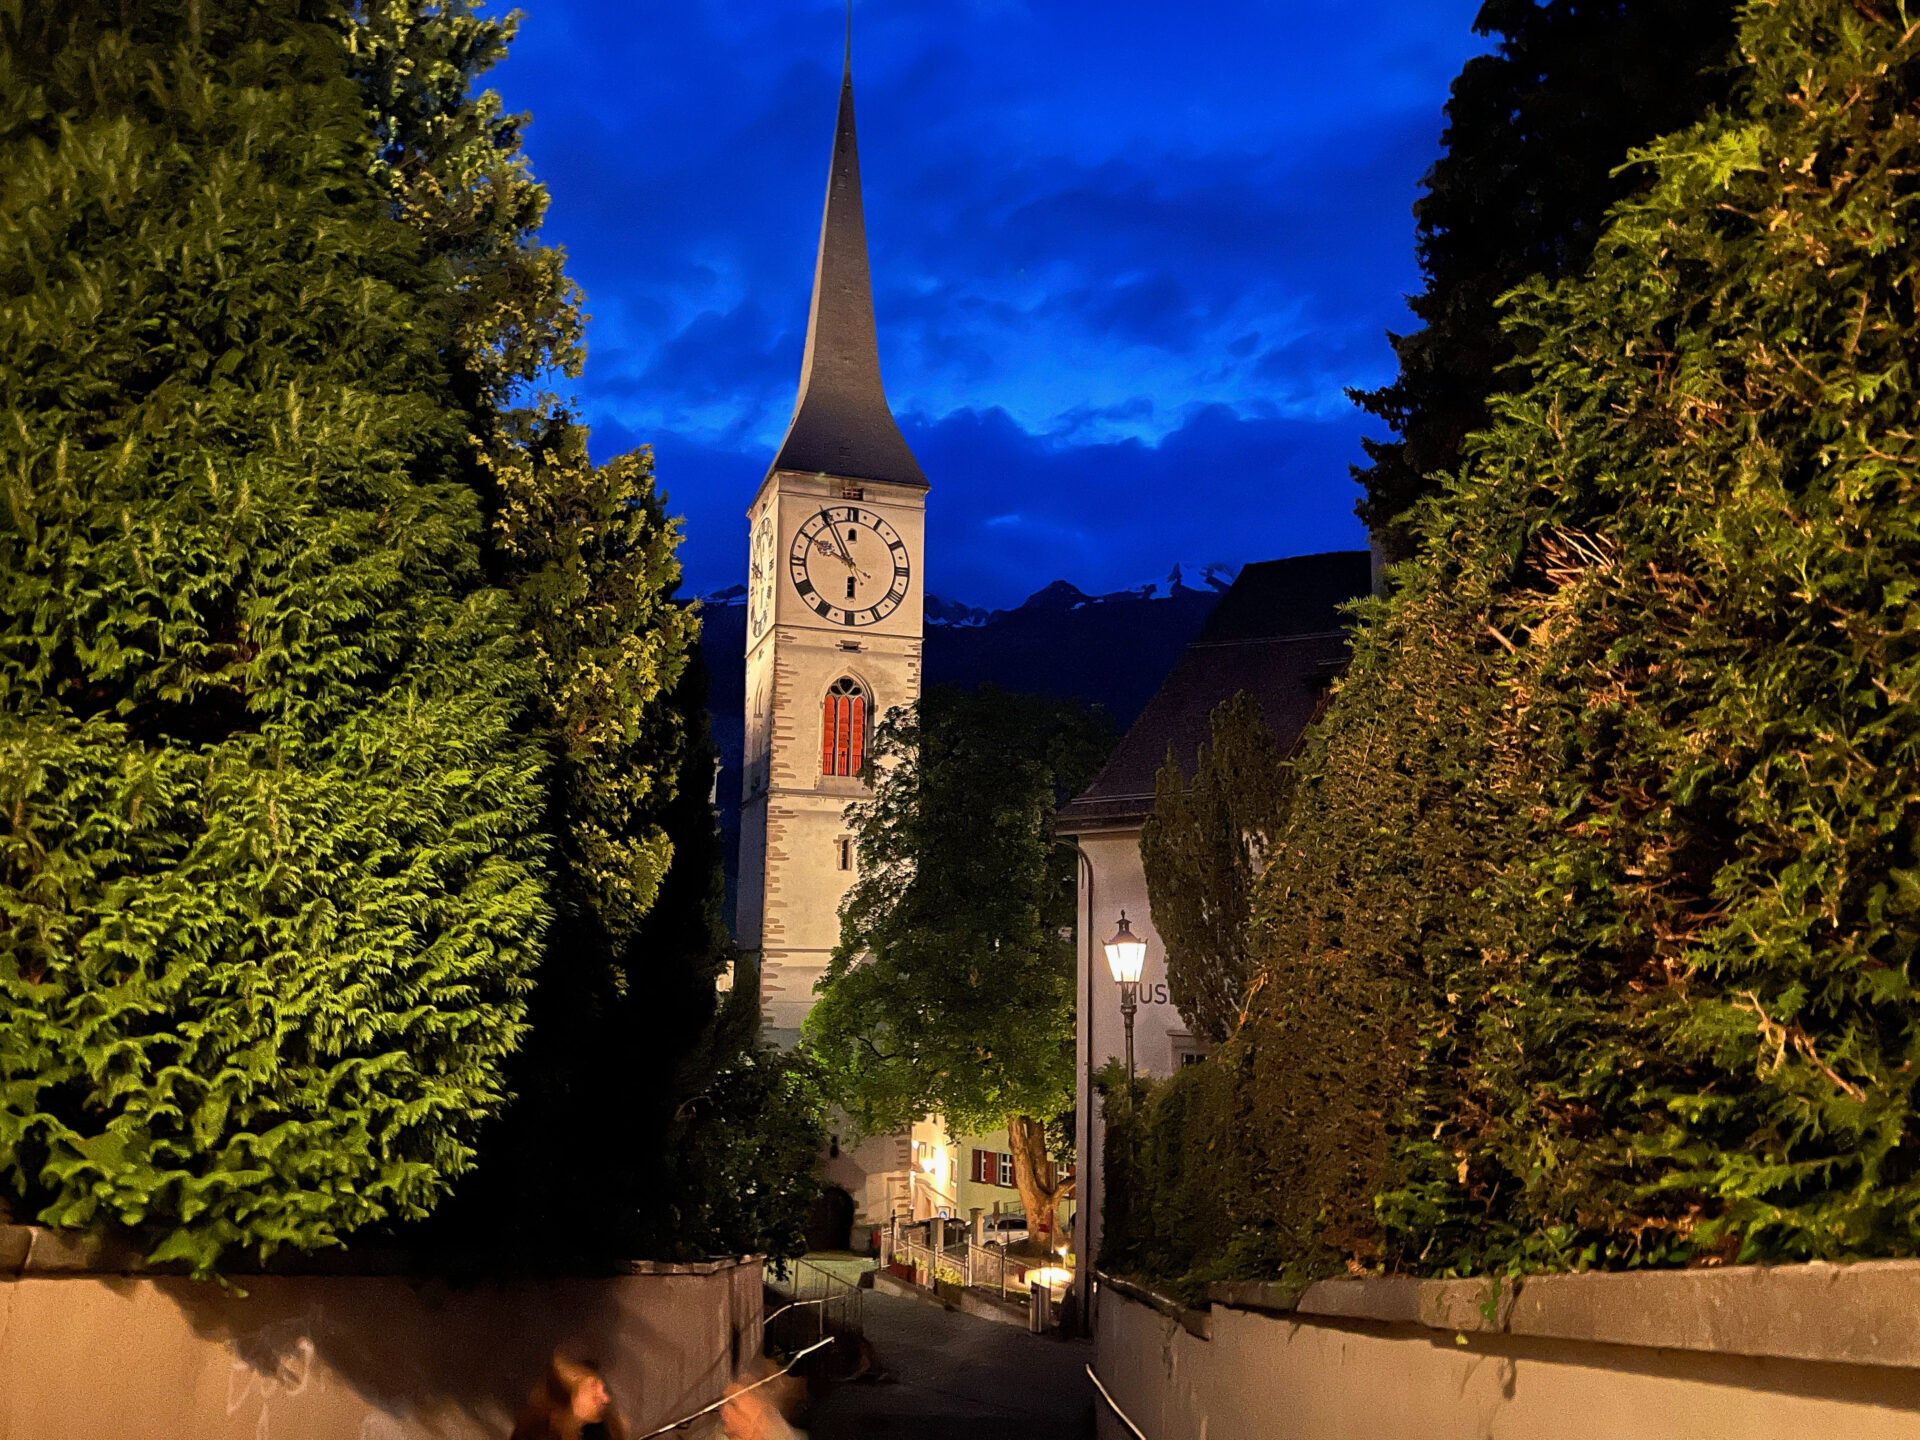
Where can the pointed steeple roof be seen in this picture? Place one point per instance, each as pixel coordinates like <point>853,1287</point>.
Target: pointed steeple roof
<point>841,422</point>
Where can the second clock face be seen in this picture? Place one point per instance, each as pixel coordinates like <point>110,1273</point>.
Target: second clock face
<point>849,565</point>
<point>761,573</point>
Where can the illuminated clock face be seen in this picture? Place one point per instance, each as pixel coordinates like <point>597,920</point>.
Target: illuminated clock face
<point>760,577</point>
<point>849,565</point>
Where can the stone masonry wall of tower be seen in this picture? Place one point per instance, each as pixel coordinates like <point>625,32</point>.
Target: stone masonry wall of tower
<point>836,536</point>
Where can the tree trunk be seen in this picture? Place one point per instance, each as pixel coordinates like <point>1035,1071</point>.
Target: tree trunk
<point>1041,1190</point>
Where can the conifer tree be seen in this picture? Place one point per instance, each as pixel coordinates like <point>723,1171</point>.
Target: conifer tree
<point>1203,848</point>
<point>587,550</point>
<point>1535,149</point>
<point>271,824</point>
<point>636,1091</point>
<point>1698,531</point>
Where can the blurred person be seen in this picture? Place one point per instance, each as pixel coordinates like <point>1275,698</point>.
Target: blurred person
<point>752,1415</point>
<point>571,1403</point>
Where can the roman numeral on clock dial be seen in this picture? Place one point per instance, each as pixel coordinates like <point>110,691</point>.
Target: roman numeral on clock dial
<point>853,555</point>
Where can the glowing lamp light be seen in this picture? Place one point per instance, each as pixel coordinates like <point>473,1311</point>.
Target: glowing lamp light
<point>1126,957</point>
<point>1051,1276</point>
<point>1126,953</point>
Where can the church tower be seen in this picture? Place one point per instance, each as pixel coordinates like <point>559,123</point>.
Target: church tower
<point>833,614</point>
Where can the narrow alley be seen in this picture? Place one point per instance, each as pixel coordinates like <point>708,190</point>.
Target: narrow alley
<point>947,1376</point>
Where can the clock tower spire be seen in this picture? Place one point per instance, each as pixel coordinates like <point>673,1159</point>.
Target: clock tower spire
<point>836,533</point>
<point>841,423</point>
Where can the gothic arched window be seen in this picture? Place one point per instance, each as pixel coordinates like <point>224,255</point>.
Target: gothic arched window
<point>843,728</point>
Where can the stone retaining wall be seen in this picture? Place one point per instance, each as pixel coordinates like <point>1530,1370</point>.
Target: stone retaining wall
<point>87,1353</point>
<point>1741,1353</point>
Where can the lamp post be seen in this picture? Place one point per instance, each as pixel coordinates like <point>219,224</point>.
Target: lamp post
<point>1126,957</point>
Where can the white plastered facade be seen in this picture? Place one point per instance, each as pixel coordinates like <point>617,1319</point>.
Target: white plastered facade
<point>1114,880</point>
<point>792,815</point>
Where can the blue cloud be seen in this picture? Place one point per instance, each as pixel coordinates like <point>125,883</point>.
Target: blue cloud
<point>1011,510</point>
<point>1126,259</point>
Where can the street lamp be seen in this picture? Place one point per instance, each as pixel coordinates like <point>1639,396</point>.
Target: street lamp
<point>1126,957</point>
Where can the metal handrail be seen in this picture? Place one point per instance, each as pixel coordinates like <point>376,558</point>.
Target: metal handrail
<point>836,1302</point>
<point>980,1266</point>
<point>1125,1418</point>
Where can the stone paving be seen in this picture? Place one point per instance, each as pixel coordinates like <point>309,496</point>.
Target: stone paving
<point>948,1376</point>
<point>844,1264</point>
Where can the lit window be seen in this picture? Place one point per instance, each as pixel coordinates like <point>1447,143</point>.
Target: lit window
<point>843,729</point>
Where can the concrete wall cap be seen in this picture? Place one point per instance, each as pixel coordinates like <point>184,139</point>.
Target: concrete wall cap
<point>40,1250</point>
<point>1852,1314</point>
<point>1194,1322</point>
<point>15,1242</point>
<point>1859,1314</point>
<point>1473,1305</point>
<point>688,1267</point>
<point>1270,1295</point>
<point>77,1252</point>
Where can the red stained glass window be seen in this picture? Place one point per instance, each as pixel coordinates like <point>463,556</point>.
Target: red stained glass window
<point>843,729</point>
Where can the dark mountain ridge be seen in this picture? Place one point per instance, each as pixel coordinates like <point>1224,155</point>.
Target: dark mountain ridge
<point>1111,650</point>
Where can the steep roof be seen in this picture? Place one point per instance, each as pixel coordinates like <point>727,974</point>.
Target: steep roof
<point>1277,633</point>
<point>841,422</point>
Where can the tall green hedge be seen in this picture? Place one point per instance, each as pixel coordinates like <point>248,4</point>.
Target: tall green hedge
<point>314,217</point>
<point>1594,946</point>
<point>270,814</point>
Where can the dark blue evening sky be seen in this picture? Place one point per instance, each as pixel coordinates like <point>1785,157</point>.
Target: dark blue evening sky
<point>1126,256</point>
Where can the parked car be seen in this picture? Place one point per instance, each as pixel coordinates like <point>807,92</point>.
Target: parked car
<point>1007,1229</point>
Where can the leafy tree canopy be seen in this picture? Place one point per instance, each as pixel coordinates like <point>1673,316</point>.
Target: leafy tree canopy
<point>952,989</point>
<point>741,1178</point>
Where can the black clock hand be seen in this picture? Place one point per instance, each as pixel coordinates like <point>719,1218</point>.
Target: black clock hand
<point>838,542</point>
